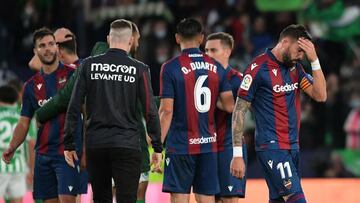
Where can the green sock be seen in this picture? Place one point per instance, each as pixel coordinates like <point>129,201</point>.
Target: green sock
<point>140,201</point>
<point>38,201</point>
<point>7,200</point>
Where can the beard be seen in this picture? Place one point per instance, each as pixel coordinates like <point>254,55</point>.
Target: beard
<point>46,61</point>
<point>287,61</point>
<point>133,52</point>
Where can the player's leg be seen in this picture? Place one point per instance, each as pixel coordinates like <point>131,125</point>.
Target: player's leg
<point>99,169</point>
<point>179,173</point>
<point>281,174</point>
<point>143,184</point>
<point>297,197</point>
<point>45,181</point>
<point>125,164</point>
<point>231,188</point>
<point>206,181</point>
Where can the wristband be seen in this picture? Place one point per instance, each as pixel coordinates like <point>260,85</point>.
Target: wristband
<point>237,151</point>
<point>315,65</point>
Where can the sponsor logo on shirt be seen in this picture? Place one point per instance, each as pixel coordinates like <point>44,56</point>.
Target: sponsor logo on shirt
<point>285,88</point>
<point>246,83</point>
<point>203,140</point>
<point>41,102</point>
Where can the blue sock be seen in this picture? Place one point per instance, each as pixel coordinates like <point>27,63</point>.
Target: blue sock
<point>297,198</point>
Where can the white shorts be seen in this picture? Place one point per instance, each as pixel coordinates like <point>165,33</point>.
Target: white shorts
<point>12,185</point>
<point>144,177</point>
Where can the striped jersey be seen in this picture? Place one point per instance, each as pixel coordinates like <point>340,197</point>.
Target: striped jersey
<point>274,93</point>
<point>37,91</point>
<point>194,80</point>
<point>223,118</point>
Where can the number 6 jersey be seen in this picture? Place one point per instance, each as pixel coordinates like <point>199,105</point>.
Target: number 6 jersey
<point>194,80</point>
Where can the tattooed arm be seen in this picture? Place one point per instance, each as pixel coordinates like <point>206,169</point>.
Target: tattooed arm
<point>237,166</point>
<point>238,118</point>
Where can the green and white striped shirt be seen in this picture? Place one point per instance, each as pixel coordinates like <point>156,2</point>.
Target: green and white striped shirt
<point>9,116</point>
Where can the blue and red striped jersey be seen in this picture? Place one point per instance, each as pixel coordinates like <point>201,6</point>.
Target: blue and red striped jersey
<point>222,118</point>
<point>194,80</point>
<point>38,90</point>
<point>274,93</point>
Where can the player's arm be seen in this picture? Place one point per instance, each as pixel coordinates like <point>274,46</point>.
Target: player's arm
<point>226,101</point>
<point>148,103</point>
<point>18,138</point>
<point>71,122</point>
<point>166,114</point>
<point>59,102</point>
<point>35,63</point>
<point>316,90</point>
<point>238,126</point>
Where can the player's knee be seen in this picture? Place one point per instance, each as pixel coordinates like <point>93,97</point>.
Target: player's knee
<point>298,197</point>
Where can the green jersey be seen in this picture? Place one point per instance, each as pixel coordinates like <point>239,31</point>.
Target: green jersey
<point>9,116</point>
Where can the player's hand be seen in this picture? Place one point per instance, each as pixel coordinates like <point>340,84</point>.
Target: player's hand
<point>8,154</point>
<point>308,48</point>
<point>237,167</point>
<point>70,156</point>
<point>156,160</point>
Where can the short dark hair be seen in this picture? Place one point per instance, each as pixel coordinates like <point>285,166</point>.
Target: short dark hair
<point>121,24</point>
<point>225,39</point>
<point>8,94</point>
<point>69,45</point>
<point>295,31</point>
<point>41,33</point>
<point>189,28</point>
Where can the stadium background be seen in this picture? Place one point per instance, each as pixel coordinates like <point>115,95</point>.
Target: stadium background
<point>255,25</point>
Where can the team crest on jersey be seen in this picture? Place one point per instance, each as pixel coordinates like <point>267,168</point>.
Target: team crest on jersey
<point>287,184</point>
<point>246,83</point>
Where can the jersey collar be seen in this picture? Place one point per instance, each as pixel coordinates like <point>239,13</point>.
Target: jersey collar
<point>191,50</point>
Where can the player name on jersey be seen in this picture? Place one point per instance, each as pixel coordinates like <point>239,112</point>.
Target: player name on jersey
<point>198,65</point>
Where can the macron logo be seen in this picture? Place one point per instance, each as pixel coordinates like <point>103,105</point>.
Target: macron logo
<point>274,71</point>
<point>167,160</point>
<point>254,65</point>
<point>39,86</point>
<point>70,187</point>
<point>270,162</point>
<point>230,187</point>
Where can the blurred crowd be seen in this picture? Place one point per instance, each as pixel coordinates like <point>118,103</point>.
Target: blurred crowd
<point>254,24</point>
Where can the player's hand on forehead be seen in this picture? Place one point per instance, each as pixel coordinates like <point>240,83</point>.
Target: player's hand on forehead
<point>308,47</point>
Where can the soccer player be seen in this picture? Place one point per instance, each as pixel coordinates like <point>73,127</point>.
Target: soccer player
<point>60,102</point>
<point>13,175</point>
<point>119,84</point>
<point>190,86</point>
<point>54,180</point>
<point>219,46</point>
<point>271,86</point>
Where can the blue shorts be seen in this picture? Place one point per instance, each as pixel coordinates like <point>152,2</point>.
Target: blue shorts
<point>199,171</point>
<point>54,177</point>
<point>280,169</point>
<point>230,186</point>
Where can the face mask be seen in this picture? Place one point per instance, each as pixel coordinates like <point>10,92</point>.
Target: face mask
<point>355,103</point>
<point>161,58</point>
<point>160,34</point>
